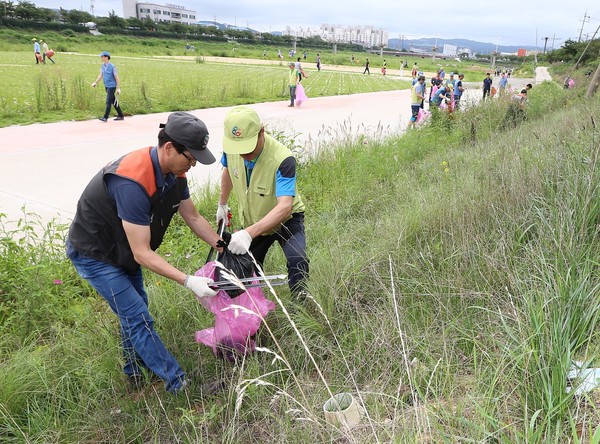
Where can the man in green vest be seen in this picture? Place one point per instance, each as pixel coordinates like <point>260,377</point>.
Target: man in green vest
<point>261,172</point>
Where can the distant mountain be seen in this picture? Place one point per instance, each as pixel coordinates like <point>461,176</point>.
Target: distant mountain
<point>476,47</point>
<point>224,26</point>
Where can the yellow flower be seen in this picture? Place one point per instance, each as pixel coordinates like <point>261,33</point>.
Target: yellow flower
<point>446,170</point>
<point>444,163</point>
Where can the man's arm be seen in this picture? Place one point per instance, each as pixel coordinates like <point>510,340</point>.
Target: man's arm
<point>198,224</point>
<point>226,187</point>
<point>138,237</point>
<point>274,218</point>
<point>118,82</point>
<point>97,79</point>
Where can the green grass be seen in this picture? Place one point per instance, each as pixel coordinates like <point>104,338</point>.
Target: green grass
<point>455,276</point>
<point>48,93</point>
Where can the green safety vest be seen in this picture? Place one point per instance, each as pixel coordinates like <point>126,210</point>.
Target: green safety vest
<point>257,198</point>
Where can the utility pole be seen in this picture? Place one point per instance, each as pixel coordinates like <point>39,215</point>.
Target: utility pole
<point>92,7</point>
<point>545,44</point>
<point>585,16</point>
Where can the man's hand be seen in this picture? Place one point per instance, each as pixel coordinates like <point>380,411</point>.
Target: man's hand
<point>94,85</point>
<point>240,242</point>
<point>222,211</point>
<point>199,285</point>
<point>118,91</point>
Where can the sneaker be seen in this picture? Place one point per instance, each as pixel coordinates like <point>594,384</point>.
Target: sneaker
<point>290,106</point>
<point>103,119</point>
<point>183,388</point>
<point>119,118</point>
<point>213,388</point>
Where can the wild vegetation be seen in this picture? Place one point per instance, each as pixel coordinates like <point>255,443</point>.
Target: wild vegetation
<point>454,280</point>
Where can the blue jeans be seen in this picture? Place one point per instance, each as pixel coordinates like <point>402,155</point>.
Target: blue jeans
<point>126,296</point>
<point>292,240</point>
<point>111,100</point>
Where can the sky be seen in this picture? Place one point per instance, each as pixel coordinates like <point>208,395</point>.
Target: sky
<point>507,22</point>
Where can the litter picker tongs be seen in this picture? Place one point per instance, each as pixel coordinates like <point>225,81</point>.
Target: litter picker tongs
<point>230,281</point>
<point>251,282</point>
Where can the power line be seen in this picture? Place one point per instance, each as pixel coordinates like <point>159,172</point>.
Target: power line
<point>585,19</point>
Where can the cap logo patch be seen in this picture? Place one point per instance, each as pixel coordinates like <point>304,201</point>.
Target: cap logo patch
<point>236,131</point>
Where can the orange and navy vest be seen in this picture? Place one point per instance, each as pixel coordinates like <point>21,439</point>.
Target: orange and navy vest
<point>97,231</point>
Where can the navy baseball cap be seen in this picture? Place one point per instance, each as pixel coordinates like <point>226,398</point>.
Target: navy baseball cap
<point>104,53</point>
<point>191,132</point>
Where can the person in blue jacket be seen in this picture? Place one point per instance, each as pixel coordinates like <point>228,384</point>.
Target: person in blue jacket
<point>112,84</point>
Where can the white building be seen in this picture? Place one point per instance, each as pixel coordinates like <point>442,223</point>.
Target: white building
<point>367,36</point>
<point>450,50</point>
<point>158,13</point>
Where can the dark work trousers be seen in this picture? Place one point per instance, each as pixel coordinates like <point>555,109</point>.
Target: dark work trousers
<point>111,100</point>
<point>292,239</point>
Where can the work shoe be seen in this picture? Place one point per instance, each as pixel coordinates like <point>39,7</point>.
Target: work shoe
<point>215,387</point>
<point>183,388</point>
<point>103,119</point>
<point>119,118</point>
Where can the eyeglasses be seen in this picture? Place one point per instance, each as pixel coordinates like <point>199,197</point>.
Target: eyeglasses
<point>191,160</point>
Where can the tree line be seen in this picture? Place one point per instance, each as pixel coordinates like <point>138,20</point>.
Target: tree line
<point>27,14</point>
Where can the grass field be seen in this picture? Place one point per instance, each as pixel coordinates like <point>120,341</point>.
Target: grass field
<point>454,278</point>
<point>47,93</point>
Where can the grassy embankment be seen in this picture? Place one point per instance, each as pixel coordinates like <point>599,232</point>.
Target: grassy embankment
<point>455,276</point>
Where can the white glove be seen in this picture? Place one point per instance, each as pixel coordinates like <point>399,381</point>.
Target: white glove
<point>199,285</point>
<point>240,242</point>
<point>222,211</point>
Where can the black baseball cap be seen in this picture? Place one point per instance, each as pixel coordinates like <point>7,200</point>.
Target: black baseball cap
<point>191,132</point>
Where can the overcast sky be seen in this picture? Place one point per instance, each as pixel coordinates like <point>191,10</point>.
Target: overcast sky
<point>507,22</point>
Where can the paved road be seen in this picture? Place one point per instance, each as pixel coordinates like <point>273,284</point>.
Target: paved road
<point>45,167</point>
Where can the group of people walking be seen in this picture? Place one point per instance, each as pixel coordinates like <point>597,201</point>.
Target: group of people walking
<point>42,52</point>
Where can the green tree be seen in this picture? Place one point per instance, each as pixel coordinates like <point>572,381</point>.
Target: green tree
<point>134,22</point>
<point>8,9</point>
<point>115,21</point>
<point>25,10</point>
<point>76,16</point>
<point>46,15</point>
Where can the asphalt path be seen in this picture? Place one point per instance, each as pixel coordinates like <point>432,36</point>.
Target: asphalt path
<point>45,167</point>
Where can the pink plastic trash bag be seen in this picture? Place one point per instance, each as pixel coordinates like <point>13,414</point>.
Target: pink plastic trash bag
<point>300,95</point>
<point>423,115</point>
<point>236,319</point>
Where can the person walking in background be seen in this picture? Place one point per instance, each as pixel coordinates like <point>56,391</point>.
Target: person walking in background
<point>417,98</point>
<point>261,173</point>
<point>121,219</point>
<point>293,81</point>
<point>414,71</point>
<point>384,67</point>
<point>458,90</point>
<point>46,52</point>
<point>451,80</point>
<point>36,51</point>
<point>487,86</point>
<point>318,62</point>
<point>108,74</point>
<point>502,83</point>
<point>367,68</point>
<point>301,72</point>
